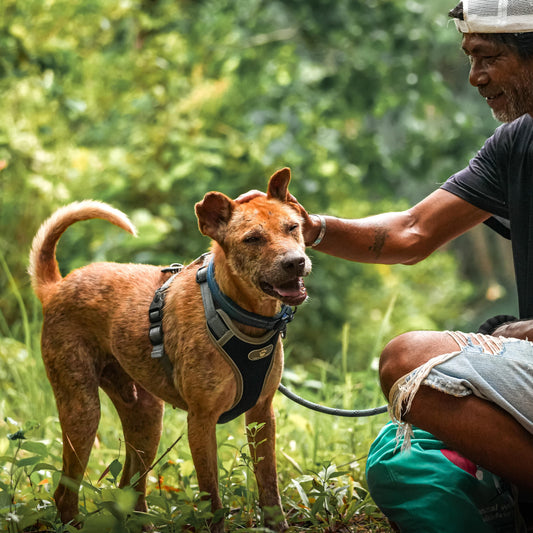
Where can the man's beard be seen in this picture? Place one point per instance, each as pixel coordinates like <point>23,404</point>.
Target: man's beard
<point>519,100</point>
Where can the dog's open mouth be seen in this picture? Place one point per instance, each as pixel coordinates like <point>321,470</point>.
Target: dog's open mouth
<point>290,293</point>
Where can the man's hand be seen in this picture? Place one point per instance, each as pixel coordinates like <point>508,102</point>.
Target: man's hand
<point>250,195</point>
<point>311,224</point>
<point>521,329</point>
<point>492,324</point>
<point>507,326</point>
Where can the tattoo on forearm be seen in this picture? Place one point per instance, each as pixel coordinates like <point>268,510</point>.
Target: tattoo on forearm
<point>379,241</point>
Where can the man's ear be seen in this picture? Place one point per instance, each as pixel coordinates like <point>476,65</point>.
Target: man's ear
<point>214,213</point>
<point>278,185</point>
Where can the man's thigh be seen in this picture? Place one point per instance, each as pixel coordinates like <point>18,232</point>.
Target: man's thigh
<point>495,369</point>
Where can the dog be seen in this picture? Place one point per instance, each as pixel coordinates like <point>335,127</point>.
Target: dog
<point>96,334</point>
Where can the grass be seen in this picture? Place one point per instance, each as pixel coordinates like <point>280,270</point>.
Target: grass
<point>321,459</point>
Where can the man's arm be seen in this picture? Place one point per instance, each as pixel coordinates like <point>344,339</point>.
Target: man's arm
<point>404,237</point>
<point>521,329</point>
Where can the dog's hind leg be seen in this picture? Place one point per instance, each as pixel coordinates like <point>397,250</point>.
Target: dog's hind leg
<point>263,451</point>
<point>79,414</point>
<point>141,415</point>
<point>69,364</point>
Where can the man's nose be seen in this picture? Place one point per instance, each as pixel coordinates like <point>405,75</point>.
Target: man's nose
<point>478,74</point>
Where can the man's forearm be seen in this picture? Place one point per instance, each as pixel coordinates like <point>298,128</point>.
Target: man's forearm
<point>398,237</point>
<point>388,238</point>
<point>521,329</point>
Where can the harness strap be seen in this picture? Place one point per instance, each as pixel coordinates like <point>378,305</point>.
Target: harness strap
<point>211,315</point>
<point>155,315</point>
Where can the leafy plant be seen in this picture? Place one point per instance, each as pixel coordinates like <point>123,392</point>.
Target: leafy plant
<point>325,500</point>
<point>25,464</point>
<point>330,500</point>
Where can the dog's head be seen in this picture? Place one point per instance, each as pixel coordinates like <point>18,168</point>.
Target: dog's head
<point>261,239</point>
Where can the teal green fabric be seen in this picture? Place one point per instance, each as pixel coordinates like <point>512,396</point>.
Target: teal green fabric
<point>421,490</point>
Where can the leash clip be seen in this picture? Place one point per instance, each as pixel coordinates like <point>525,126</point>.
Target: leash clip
<point>286,317</point>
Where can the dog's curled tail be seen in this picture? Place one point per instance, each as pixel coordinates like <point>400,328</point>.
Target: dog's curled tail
<point>43,267</point>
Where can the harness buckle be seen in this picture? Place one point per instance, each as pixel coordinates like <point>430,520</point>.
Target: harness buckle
<point>156,334</point>
<point>158,352</point>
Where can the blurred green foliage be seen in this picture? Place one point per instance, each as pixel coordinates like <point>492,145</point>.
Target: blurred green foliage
<point>149,104</point>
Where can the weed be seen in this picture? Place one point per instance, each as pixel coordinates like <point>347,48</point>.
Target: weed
<point>317,495</point>
<point>326,500</point>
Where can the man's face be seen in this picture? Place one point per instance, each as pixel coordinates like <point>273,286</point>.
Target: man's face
<point>502,77</point>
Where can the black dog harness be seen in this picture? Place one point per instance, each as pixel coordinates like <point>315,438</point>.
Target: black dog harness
<point>249,357</point>
<point>155,314</point>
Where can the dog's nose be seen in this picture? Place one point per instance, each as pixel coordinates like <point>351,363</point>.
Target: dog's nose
<point>294,264</point>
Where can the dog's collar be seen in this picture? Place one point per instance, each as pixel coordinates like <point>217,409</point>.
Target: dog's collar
<point>277,322</point>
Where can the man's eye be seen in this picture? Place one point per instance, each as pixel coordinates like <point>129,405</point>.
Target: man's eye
<point>489,58</point>
<point>485,59</point>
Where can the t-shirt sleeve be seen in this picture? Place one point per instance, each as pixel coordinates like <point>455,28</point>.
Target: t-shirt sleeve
<point>482,182</point>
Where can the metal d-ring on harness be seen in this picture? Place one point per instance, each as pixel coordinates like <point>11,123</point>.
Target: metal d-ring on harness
<point>222,331</point>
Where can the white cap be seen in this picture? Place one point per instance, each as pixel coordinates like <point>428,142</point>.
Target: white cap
<point>496,16</point>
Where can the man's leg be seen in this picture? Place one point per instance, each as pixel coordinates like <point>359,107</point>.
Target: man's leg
<point>476,428</point>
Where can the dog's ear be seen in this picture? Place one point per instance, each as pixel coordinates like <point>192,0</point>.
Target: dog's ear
<point>213,214</point>
<point>278,185</point>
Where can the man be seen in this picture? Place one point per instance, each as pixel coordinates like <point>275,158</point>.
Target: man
<point>473,392</point>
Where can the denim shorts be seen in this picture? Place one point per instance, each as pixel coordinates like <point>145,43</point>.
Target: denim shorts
<point>499,370</point>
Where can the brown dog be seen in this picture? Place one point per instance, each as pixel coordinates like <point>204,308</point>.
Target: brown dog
<point>95,334</point>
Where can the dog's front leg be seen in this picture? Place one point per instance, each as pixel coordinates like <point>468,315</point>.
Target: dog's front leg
<point>203,445</point>
<point>265,463</point>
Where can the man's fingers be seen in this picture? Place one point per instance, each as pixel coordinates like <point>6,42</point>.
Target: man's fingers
<point>250,195</point>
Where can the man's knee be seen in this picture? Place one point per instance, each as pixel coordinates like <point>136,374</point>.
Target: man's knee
<point>406,352</point>
<point>394,361</point>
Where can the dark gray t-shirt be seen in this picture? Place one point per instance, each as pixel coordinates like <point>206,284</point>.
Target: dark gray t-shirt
<point>499,179</point>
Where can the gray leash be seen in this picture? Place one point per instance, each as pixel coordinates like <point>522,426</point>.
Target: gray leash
<point>486,328</point>
<point>280,320</point>
<point>330,410</point>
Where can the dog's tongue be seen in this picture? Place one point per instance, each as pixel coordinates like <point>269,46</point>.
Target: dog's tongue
<point>291,290</point>
<point>286,292</point>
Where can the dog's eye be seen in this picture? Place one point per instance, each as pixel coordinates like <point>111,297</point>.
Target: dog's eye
<point>293,228</point>
<point>252,239</point>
